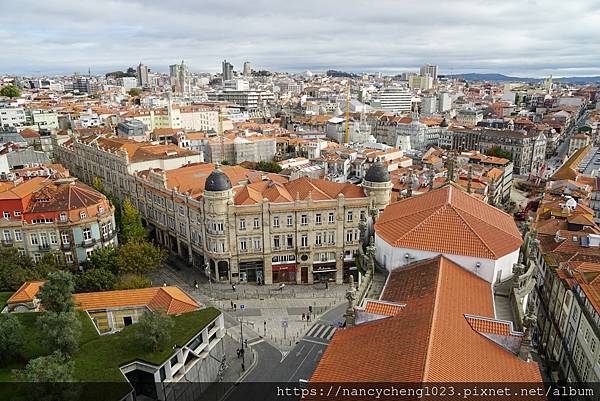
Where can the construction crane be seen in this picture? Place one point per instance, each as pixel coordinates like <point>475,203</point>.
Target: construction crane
<point>348,112</point>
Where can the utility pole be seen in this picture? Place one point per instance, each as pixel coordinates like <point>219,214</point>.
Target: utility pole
<point>242,341</point>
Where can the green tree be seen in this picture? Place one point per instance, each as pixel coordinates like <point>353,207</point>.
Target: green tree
<point>52,368</point>
<point>103,259</point>
<point>11,337</point>
<point>60,331</point>
<point>95,280</point>
<point>131,224</point>
<point>154,330</point>
<point>270,167</point>
<point>128,282</point>
<point>134,92</point>
<point>139,257</point>
<point>98,186</point>
<point>225,163</point>
<point>50,262</point>
<point>497,151</point>
<point>56,294</point>
<point>10,91</point>
<point>15,269</point>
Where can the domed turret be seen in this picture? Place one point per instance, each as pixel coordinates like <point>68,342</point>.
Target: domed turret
<point>377,173</point>
<point>217,181</point>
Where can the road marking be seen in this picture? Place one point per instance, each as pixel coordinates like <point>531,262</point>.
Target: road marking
<point>257,341</point>
<point>300,365</point>
<point>314,341</point>
<point>300,351</point>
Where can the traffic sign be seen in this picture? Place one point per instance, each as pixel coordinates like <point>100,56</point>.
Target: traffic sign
<point>284,323</point>
<point>242,306</point>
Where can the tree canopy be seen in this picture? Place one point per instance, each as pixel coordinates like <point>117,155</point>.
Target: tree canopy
<point>155,330</point>
<point>131,223</point>
<point>139,257</point>
<point>11,337</point>
<point>134,92</point>
<point>10,91</point>
<point>270,167</point>
<point>56,293</point>
<point>497,151</point>
<point>61,331</point>
<point>52,368</point>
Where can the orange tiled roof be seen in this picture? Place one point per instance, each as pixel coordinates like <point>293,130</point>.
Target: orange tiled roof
<point>431,340</point>
<point>26,292</point>
<point>383,308</point>
<point>172,299</point>
<point>448,220</point>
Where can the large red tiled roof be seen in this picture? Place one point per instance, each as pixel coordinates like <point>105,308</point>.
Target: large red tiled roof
<point>448,220</point>
<point>431,340</point>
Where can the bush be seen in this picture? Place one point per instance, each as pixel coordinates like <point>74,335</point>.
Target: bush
<point>155,330</point>
<point>11,337</point>
<point>132,281</point>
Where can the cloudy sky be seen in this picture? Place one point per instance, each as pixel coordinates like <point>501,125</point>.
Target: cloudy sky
<point>517,37</point>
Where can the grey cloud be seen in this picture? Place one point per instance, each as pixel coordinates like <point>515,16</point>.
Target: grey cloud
<point>529,38</point>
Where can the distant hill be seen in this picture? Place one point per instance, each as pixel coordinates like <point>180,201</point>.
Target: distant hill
<point>473,76</point>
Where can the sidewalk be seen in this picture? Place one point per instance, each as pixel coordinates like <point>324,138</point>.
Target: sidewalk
<point>264,307</point>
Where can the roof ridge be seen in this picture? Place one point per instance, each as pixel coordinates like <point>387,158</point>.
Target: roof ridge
<point>432,319</point>
<point>480,219</point>
<point>473,230</point>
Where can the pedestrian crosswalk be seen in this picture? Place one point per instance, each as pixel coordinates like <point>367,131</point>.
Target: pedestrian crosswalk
<point>323,331</point>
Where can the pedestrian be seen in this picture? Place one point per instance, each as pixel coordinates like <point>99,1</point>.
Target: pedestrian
<point>245,343</point>
<point>233,287</point>
<point>243,367</point>
<point>234,306</point>
<point>164,283</point>
<point>231,304</point>
<point>303,315</point>
<point>195,284</point>
<point>327,285</point>
<point>308,317</point>
<point>237,351</point>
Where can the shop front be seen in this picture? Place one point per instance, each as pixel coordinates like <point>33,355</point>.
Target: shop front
<point>323,272</point>
<point>251,271</point>
<point>284,273</point>
<point>350,269</point>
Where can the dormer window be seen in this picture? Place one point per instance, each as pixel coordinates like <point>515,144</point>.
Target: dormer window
<point>101,209</point>
<point>63,217</point>
<point>82,215</point>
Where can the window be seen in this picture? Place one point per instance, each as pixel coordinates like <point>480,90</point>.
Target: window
<point>243,245</point>
<point>330,218</point>
<point>18,235</point>
<point>64,237</point>
<point>82,215</point>
<point>37,257</point>
<point>276,243</point>
<point>362,215</point>
<point>318,239</point>
<point>34,239</point>
<point>349,236</point>
<point>290,221</point>
<point>182,228</point>
<point>101,209</point>
<point>63,217</point>
<point>22,252</point>
<point>87,234</point>
<point>7,236</point>
<point>290,241</point>
<point>256,244</point>
<point>127,320</point>
<point>171,222</point>
<point>331,238</point>
<point>318,218</point>
<point>304,240</point>
<point>242,224</point>
<point>53,239</point>
<point>276,222</point>
<point>17,213</point>
<point>6,215</point>
<point>304,220</point>
<point>593,345</point>
<point>586,335</point>
<point>349,216</point>
<point>181,211</point>
<point>256,223</point>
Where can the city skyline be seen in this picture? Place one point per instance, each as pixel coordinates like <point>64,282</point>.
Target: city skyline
<point>467,36</point>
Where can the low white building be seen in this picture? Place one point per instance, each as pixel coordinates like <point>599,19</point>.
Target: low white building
<point>450,222</point>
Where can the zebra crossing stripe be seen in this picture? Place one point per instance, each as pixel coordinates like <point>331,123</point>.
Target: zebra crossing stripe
<point>322,331</point>
<point>329,335</point>
<point>312,330</point>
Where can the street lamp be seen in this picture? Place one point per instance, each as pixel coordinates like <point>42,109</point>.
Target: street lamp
<point>208,272</point>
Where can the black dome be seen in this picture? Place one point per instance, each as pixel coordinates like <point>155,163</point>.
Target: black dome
<point>217,181</point>
<point>377,173</point>
<point>444,123</point>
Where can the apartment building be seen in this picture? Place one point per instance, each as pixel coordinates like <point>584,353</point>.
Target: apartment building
<point>114,160</point>
<point>240,225</point>
<point>237,149</point>
<point>394,99</point>
<point>62,215</point>
<point>528,149</point>
<point>12,117</point>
